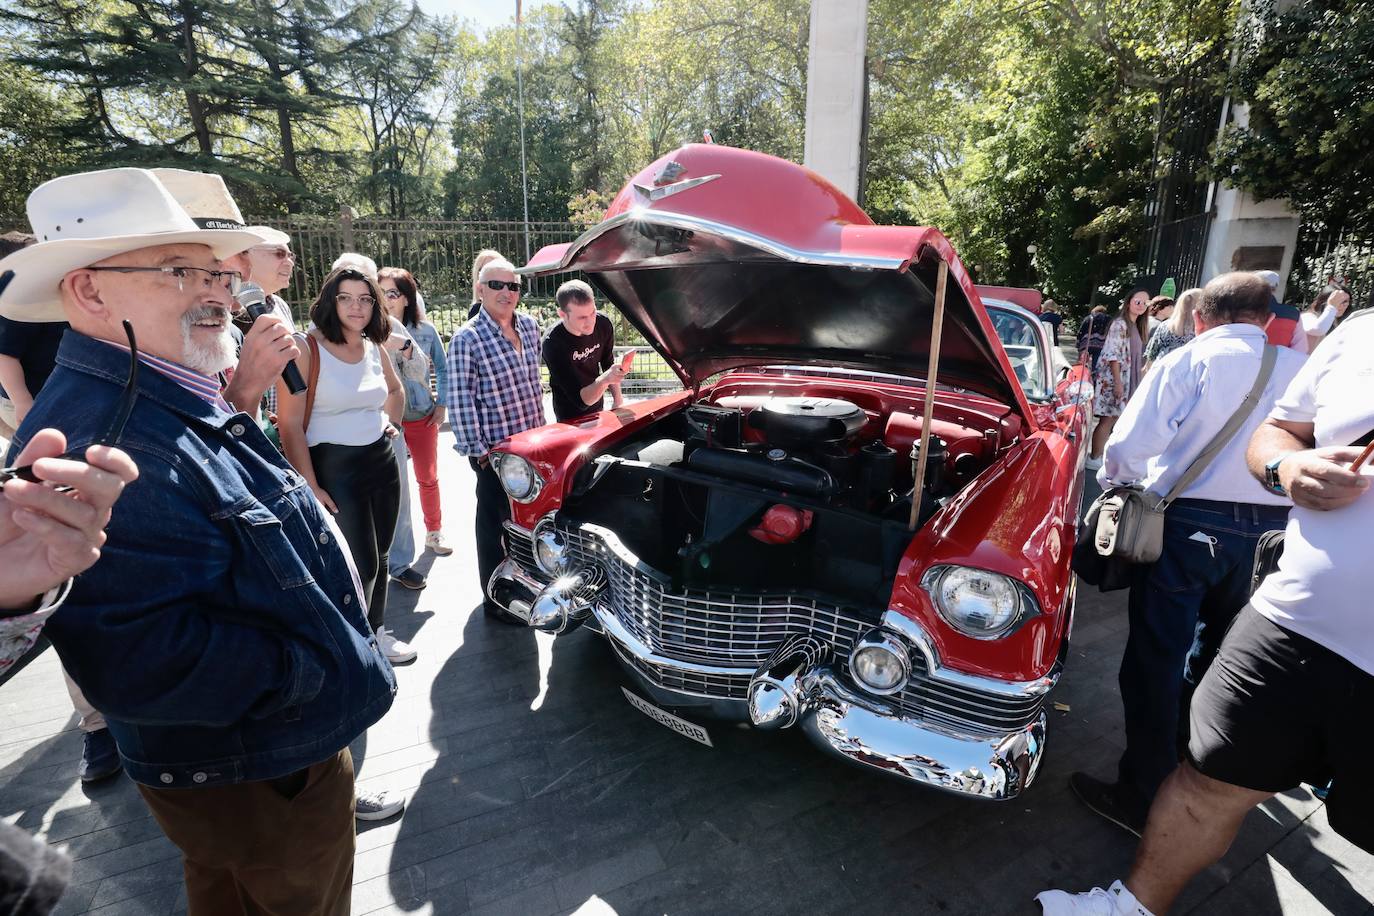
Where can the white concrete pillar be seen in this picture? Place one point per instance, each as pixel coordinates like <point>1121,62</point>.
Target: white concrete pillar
<point>835,91</point>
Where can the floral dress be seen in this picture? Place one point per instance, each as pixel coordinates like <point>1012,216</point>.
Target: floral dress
<point>1117,349</point>
<point>1163,342</point>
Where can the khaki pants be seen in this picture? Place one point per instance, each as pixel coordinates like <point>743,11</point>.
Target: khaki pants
<point>92,720</point>
<point>282,847</point>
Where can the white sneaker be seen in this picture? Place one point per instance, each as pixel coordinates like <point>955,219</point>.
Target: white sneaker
<point>376,806</point>
<point>394,650</point>
<point>1092,464</point>
<point>435,541</point>
<point>1114,901</point>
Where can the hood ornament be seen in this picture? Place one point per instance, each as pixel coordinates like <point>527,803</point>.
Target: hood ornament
<point>666,183</point>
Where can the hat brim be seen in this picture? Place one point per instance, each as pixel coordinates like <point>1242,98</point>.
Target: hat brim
<point>270,236</point>
<point>32,294</point>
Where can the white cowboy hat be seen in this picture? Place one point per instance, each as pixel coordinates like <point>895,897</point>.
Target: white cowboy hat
<point>206,199</point>
<point>271,236</point>
<point>84,218</point>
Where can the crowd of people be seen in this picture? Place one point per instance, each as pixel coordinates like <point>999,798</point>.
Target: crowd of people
<point>227,636</point>
<point>1233,693</point>
<point>271,513</point>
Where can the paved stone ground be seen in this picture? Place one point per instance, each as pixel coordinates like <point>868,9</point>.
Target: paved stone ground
<point>535,789</point>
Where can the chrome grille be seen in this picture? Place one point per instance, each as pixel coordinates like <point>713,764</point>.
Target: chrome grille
<point>739,631</point>
<point>520,546</point>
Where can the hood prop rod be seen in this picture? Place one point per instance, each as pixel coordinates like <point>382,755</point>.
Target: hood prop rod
<point>918,459</point>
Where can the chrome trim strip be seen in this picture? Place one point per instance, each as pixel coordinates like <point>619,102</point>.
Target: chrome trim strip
<point>734,234</point>
<point>916,635</point>
<point>613,629</point>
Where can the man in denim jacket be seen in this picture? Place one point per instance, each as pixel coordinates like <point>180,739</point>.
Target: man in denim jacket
<point>222,632</point>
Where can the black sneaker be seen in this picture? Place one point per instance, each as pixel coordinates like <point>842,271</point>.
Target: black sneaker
<point>1111,800</point>
<point>99,757</point>
<point>410,578</point>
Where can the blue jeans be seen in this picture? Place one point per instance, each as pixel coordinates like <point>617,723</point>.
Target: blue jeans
<point>1180,608</point>
<point>402,553</point>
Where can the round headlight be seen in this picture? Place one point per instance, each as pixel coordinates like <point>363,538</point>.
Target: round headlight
<point>518,478</point>
<point>880,663</point>
<point>550,550</point>
<point>976,602</point>
<point>1079,391</point>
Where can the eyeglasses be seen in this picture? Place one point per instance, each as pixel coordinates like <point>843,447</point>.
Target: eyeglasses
<point>513,286</point>
<point>113,433</point>
<point>347,299</point>
<point>393,294</point>
<point>281,254</point>
<point>228,280</point>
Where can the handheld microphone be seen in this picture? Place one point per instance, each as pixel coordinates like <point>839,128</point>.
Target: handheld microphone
<point>254,301</point>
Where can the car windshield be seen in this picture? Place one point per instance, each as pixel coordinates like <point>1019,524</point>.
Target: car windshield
<point>1021,339</point>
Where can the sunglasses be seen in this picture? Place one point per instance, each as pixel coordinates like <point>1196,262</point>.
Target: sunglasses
<point>281,254</point>
<point>113,433</point>
<point>393,294</point>
<point>513,286</point>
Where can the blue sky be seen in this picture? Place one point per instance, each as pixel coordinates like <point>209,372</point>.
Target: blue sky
<point>483,13</point>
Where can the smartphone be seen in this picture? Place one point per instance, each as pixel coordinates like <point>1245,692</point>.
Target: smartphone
<point>627,361</point>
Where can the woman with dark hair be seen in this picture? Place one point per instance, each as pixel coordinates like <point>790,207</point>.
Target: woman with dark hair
<point>343,446</point>
<point>1118,368</point>
<point>1325,312</point>
<point>424,413</point>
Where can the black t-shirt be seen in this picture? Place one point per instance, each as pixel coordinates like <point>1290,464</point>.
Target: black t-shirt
<point>34,344</point>
<point>574,363</point>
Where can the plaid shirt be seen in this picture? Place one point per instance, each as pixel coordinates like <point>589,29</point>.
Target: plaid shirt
<point>493,391</point>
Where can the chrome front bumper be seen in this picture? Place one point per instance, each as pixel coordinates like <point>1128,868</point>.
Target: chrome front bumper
<point>797,687</point>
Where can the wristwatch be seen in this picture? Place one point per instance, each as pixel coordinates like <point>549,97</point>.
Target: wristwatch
<point>1271,475</point>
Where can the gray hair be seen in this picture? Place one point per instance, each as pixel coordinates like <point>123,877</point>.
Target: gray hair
<point>495,264</point>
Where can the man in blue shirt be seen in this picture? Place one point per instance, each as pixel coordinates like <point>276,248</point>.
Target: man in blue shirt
<point>494,393</point>
<point>1181,605</point>
<point>223,632</point>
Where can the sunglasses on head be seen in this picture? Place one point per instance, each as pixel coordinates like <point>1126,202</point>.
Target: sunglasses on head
<point>513,285</point>
<point>113,433</point>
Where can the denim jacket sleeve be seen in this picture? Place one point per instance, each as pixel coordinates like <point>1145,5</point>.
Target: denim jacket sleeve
<point>170,601</point>
<point>434,346</point>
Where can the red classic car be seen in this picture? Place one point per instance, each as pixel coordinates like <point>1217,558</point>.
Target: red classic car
<point>748,545</point>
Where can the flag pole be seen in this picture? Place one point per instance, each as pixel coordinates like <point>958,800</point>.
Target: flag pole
<point>520,95</point>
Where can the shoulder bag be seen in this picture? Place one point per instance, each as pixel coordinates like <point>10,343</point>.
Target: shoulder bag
<point>312,381</point>
<point>1127,523</point>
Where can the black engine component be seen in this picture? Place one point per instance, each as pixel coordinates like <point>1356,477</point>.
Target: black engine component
<point>877,464</point>
<point>776,470</point>
<point>720,427</point>
<point>792,423</point>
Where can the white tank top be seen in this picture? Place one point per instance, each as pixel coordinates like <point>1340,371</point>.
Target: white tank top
<point>349,398</point>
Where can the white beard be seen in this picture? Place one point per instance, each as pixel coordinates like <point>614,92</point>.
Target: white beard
<point>207,357</point>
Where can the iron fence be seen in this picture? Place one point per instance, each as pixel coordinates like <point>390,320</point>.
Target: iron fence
<point>1323,255</point>
<point>439,253</point>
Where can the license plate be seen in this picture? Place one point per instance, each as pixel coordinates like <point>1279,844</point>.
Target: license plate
<point>668,720</point>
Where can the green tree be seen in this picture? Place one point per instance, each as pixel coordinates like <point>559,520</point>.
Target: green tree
<point>1308,77</point>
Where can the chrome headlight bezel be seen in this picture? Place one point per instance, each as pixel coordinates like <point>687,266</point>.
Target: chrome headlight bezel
<point>522,491</point>
<point>881,641</point>
<point>548,539</point>
<point>1081,391</point>
<point>938,579</point>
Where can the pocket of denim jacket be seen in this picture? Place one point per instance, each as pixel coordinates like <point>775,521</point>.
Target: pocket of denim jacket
<point>267,536</point>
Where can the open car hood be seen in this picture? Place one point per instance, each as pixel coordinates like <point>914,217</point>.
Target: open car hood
<point>725,258</point>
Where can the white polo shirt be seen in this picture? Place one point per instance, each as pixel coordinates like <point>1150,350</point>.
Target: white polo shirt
<point>1325,578</point>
